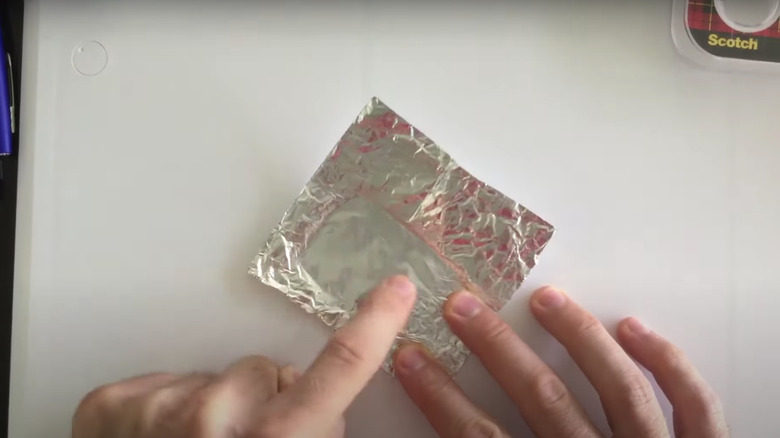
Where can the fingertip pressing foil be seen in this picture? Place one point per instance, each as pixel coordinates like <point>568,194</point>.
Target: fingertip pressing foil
<point>388,200</point>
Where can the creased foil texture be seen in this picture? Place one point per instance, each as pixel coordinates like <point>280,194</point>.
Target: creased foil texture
<point>388,200</point>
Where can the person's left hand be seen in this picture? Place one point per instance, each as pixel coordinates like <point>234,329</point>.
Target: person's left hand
<point>542,398</point>
<point>254,397</point>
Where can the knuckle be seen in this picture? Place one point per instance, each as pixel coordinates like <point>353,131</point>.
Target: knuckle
<point>589,327</point>
<point>550,393</point>
<point>481,428</point>
<point>99,400</point>
<point>154,408</point>
<point>314,385</point>
<point>672,358</point>
<point>636,391</point>
<point>704,404</point>
<point>711,399</point>
<point>256,363</point>
<point>706,407</point>
<point>205,406</point>
<point>636,403</point>
<point>277,423</point>
<point>343,350</point>
<point>271,427</point>
<point>497,331</point>
<point>436,386</point>
<point>251,365</point>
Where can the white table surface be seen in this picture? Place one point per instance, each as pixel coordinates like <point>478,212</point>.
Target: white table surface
<point>145,190</point>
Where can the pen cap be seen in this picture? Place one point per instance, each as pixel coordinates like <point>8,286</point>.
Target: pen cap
<point>5,99</point>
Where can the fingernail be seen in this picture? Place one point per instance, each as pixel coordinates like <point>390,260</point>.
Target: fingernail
<point>549,298</point>
<point>466,305</point>
<point>291,371</point>
<point>410,359</point>
<point>401,285</point>
<point>361,301</point>
<point>635,327</point>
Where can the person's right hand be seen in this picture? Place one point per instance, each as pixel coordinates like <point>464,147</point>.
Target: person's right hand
<point>542,399</point>
<point>254,397</point>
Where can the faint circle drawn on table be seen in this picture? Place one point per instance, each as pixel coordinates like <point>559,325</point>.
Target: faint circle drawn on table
<point>748,16</point>
<point>89,58</point>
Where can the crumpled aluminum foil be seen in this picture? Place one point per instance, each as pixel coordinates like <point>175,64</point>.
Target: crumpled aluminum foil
<point>388,200</point>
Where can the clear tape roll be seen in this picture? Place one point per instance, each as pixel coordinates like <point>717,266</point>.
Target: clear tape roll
<point>730,35</point>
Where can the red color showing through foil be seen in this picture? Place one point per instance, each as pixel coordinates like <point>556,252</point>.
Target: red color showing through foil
<point>384,126</point>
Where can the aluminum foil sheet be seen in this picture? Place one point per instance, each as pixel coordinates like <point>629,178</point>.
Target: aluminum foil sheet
<point>388,200</point>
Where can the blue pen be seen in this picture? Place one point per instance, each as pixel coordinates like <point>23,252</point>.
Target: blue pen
<point>6,101</point>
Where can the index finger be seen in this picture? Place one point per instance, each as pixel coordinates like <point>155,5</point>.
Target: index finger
<point>356,351</point>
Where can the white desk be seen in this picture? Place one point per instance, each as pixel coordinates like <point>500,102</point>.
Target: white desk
<point>145,190</point>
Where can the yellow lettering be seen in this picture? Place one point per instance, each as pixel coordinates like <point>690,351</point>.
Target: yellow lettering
<point>738,43</point>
